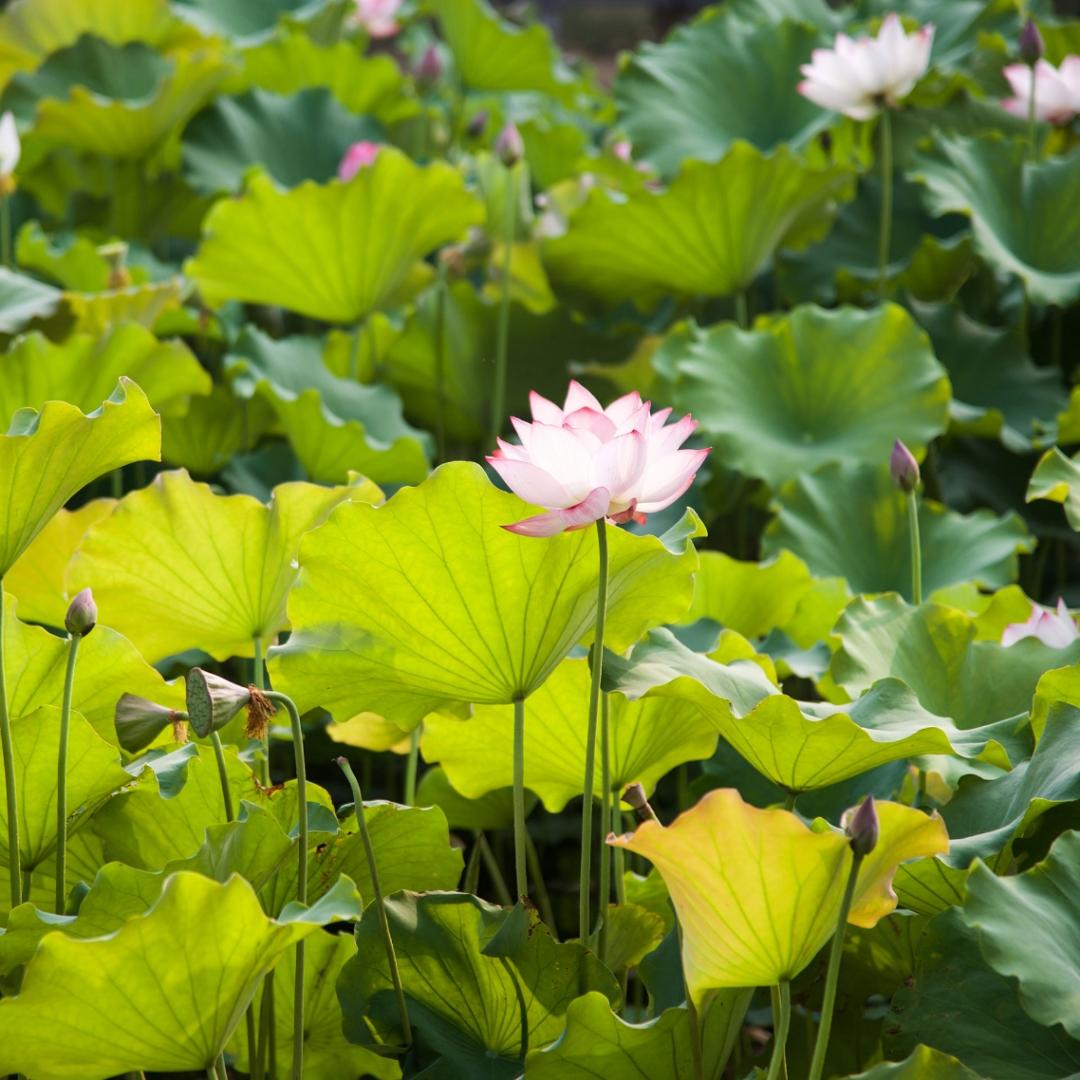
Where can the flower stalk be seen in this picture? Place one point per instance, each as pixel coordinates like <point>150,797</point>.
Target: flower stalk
<point>905,473</point>
<point>605,852</point>
<point>8,747</point>
<point>502,339</point>
<point>885,228</point>
<point>782,1021</point>
<point>521,879</point>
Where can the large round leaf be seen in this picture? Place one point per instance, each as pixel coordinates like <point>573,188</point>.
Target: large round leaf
<point>428,602</point>
<point>809,387</point>
<point>1024,214</point>
<point>714,81</point>
<point>335,251</point>
<point>1057,479</point>
<point>709,234</point>
<point>176,566</point>
<point>851,521</point>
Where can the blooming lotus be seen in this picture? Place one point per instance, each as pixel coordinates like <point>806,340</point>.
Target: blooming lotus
<point>377,17</point>
<point>1057,90</point>
<point>583,462</point>
<point>359,156</point>
<point>856,77</point>
<point>1056,629</point>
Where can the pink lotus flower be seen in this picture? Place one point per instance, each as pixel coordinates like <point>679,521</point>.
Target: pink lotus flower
<point>856,77</point>
<point>584,462</point>
<point>1057,90</point>
<point>1054,629</point>
<point>377,17</point>
<point>359,156</point>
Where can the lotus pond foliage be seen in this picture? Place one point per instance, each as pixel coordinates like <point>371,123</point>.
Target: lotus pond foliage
<point>507,572</point>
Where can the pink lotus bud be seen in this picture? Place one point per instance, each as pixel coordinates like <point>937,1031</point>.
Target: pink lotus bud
<point>509,146</point>
<point>904,467</point>
<point>862,827</point>
<point>622,149</point>
<point>359,156</point>
<point>1031,44</point>
<point>81,615</point>
<point>430,68</point>
<point>477,124</point>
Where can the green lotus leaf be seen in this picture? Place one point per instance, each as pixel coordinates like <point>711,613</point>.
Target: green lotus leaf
<point>38,580</point>
<point>1023,213</point>
<point>997,390</point>
<point>302,137</point>
<point>648,739</point>
<point>473,975</point>
<point>239,19</point>
<point>597,1042</point>
<point>850,521</point>
<point>632,932</point>
<point>809,387</point>
<point>83,371</point>
<point>87,986</point>
<point>715,81</point>
<point>335,425</point>
<point>492,54</point>
<point>48,456</point>
<point>801,745</point>
<point>934,650</point>
<point>922,1063</point>
<point>215,428</point>
<point>176,566</point>
<point>494,810</point>
<point>1057,479</point>
<point>354,257</point>
<point>73,262</point>
<point>23,299</point>
<point>709,234</point>
<point>498,614</point>
<point>98,313</point>
<point>946,1004</point>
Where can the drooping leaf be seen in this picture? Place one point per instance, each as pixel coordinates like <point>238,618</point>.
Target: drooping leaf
<point>648,739</point>
<point>733,871</point>
<point>356,254</point>
<point>709,234</point>
<point>178,567</point>
<point>498,611</point>
<point>74,262</point>
<point>23,299</point>
<point>809,387</point>
<point>850,521</point>
<point>1057,479</point>
<point>47,456</point>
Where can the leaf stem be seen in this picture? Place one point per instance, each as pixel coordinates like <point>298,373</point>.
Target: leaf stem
<point>502,339</point>
<point>536,873</point>
<point>782,1021</point>
<point>590,733</point>
<point>916,546</point>
<point>8,747</point>
<point>411,763</point>
<point>521,879</point>
<point>605,852</point>
<point>1030,117</point>
<point>377,897</point>
<point>742,314</point>
<point>502,893</point>
<point>471,881</point>
<point>223,775</point>
<point>61,774</point>
<point>5,230</point>
<point>440,363</point>
<point>885,233</point>
<point>821,1046</point>
<point>258,677</point>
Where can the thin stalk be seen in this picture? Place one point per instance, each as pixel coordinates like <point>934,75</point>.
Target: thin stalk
<point>539,886</point>
<point>301,871</point>
<point>697,1049</point>
<point>789,801</point>
<point>266,1022</point>
<point>742,314</point>
<point>521,879</point>
<point>5,229</point>
<point>267,1044</point>
<point>258,677</point>
<point>472,868</point>
<point>440,363</point>
<point>252,1039</point>
<point>605,852</point>
<point>223,775</point>
<point>220,1071</point>
<point>817,1064</point>
<point>590,733</point>
<point>61,774</point>
<point>885,233</point>
<point>916,547</point>
<point>377,897</point>
<point>1030,117</point>
<point>618,853</point>
<point>782,1022</point>
<point>354,353</point>
<point>8,747</point>
<point>502,339</point>
<point>502,893</point>
<point>411,763</point>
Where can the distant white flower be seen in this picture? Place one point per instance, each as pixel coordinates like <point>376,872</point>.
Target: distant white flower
<point>10,147</point>
<point>856,77</point>
<point>378,17</point>
<point>1057,90</point>
<point>1056,629</point>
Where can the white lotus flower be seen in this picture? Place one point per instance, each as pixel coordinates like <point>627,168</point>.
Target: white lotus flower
<point>1056,629</point>
<point>10,147</point>
<point>856,77</point>
<point>1057,90</point>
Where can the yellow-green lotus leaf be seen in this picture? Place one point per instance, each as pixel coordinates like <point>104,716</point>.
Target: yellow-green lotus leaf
<point>176,566</point>
<point>758,893</point>
<point>48,456</point>
<point>333,251</point>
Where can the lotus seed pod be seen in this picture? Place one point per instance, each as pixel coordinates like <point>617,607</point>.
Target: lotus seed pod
<point>140,721</point>
<point>213,701</point>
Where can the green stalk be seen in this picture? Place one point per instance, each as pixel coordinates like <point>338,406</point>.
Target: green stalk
<point>258,677</point>
<point>817,1064</point>
<point>5,229</point>
<point>440,364</point>
<point>411,763</point>
<point>590,734</point>
<point>301,870</point>
<point>8,747</point>
<point>223,775</point>
<point>605,817</point>
<point>1030,117</point>
<point>884,236</point>
<point>471,882</point>
<point>697,1049</point>
<point>618,853</point>
<point>521,879</point>
<point>502,340</point>
<point>782,1022</point>
<point>539,888</point>
<point>377,897</point>
<point>502,893</point>
<point>916,546</point>
<point>267,1046</point>
<point>742,314</point>
<point>61,775</point>
<point>220,1071</point>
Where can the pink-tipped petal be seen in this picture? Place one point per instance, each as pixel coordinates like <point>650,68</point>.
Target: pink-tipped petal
<point>544,411</point>
<point>577,397</point>
<point>664,483</point>
<point>592,508</point>
<point>590,420</point>
<point>529,483</point>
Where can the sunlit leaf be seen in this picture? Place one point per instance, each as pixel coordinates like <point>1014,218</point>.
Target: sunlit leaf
<point>491,811</point>
<point>216,427</point>
<point>1057,479</point>
<point>74,262</point>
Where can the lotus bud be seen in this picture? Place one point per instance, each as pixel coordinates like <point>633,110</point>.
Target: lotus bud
<point>477,124</point>
<point>509,146</point>
<point>1031,44</point>
<point>862,827</point>
<point>430,67</point>
<point>634,797</point>
<point>904,467</point>
<point>139,722</point>
<point>213,701</point>
<point>81,614</point>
